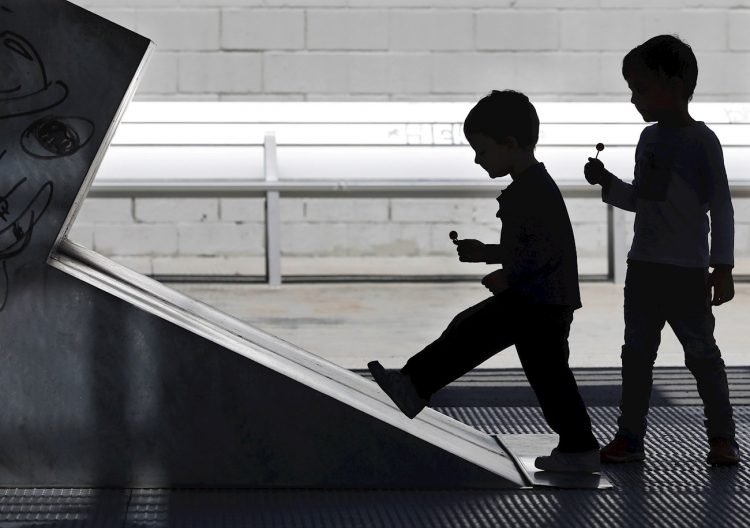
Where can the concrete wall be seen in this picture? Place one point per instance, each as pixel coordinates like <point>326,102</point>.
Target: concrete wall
<point>423,49</point>
<point>226,236</point>
<point>454,50</point>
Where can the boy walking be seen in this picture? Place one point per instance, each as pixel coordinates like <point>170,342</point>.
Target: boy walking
<point>534,294</point>
<point>679,177</point>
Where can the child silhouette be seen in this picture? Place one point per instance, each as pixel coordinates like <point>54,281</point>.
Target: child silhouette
<point>679,177</point>
<point>534,294</point>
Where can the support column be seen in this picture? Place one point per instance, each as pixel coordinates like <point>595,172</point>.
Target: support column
<point>273,213</point>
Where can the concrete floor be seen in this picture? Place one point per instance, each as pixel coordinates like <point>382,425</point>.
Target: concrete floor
<point>353,323</point>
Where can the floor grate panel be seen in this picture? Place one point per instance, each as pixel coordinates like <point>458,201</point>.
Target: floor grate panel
<point>673,487</point>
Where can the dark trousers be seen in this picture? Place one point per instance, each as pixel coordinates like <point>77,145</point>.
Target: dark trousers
<point>540,334</point>
<point>656,294</point>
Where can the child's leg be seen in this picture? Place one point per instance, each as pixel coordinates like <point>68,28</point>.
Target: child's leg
<point>644,321</point>
<point>543,350</point>
<point>471,338</point>
<point>691,319</point>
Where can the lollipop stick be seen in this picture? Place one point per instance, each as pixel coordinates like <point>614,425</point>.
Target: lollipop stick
<point>599,148</point>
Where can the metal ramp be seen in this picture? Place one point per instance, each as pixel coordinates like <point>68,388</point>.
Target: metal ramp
<point>293,418</point>
<point>112,379</point>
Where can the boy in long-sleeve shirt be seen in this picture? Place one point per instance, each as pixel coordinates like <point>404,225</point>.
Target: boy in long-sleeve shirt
<point>679,178</point>
<point>534,294</point>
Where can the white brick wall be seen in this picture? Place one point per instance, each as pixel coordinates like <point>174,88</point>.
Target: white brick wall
<point>135,239</point>
<point>220,72</point>
<point>220,239</point>
<point>386,50</point>
<point>436,210</point>
<point>362,29</point>
<point>160,77</point>
<point>181,30</point>
<point>569,4</point>
<point>106,211</point>
<point>639,4</point>
<point>739,39</point>
<point>227,236</point>
<point>242,209</point>
<point>177,210</point>
<point>305,72</point>
<point>473,72</point>
<point>704,29</point>
<point>363,210</point>
<point>320,49</point>
<point>448,29</point>
<point>510,29</point>
<point>378,73</point>
<point>263,29</point>
<point>601,30</point>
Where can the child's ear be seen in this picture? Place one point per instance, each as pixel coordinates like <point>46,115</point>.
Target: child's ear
<point>510,142</point>
<point>676,85</point>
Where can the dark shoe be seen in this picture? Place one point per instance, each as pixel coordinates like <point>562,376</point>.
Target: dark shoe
<point>622,449</point>
<point>583,462</point>
<point>399,388</point>
<point>723,452</point>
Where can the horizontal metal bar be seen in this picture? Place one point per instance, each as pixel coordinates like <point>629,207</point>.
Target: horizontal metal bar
<point>292,112</point>
<point>317,188</point>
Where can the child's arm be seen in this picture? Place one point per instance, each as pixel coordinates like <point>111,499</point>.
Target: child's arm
<point>720,208</point>
<point>470,250</point>
<point>722,226</point>
<point>614,191</point>
<point>496,282</point>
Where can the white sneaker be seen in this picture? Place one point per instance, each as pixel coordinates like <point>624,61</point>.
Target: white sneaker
<point>583,462</point>
<point>399,388</point>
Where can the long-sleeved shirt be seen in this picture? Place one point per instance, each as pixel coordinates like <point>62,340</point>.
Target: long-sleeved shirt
<point>537,248</point>
<point>679,178</point>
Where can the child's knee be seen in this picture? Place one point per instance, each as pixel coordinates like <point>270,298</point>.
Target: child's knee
<point>701,353</point>
<point>639,354</point>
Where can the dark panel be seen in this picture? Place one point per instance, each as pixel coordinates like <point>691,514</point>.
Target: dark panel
<point>64,73</point>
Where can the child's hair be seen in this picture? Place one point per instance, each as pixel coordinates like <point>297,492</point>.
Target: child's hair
<point>666,53</point>
<point>504,113</point>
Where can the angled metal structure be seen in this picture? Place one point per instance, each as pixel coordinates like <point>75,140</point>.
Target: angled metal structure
<point>112,379</point>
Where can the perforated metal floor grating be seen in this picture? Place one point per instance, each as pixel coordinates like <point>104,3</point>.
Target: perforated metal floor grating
<point>672,488</point>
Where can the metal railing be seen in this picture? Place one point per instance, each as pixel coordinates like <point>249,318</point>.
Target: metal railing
<point>274,189</point>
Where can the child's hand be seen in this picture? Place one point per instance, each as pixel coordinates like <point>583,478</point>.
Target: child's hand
<point>470,250</point>
<point>722,283</point>
<point>496,282</point>
<point>595,172</point>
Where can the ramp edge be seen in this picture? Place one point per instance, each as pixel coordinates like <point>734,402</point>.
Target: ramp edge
<point>327,378</point>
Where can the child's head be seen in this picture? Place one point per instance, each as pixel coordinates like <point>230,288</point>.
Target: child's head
<point>500,127</point>
<point>662,74</point>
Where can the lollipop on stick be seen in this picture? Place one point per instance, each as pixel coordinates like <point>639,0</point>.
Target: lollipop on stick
<point>599,148</point>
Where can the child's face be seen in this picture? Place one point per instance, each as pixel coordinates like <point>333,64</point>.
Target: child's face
<point>653,94</point>
<point>494,157</point>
